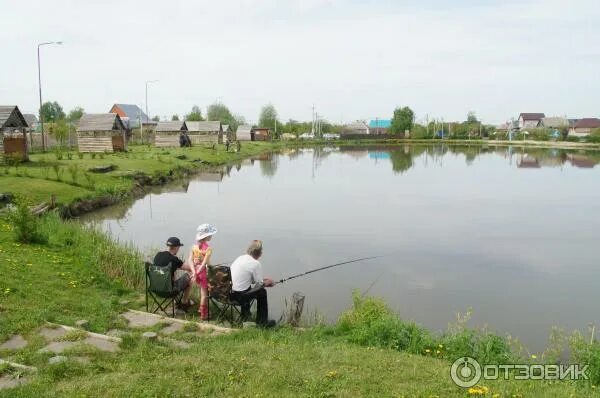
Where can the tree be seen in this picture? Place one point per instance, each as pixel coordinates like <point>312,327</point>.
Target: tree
<point>195,115</point>
<point>268,117</point>
<point>60,130</point>
<point>52,111</point>
<point>403,120</point>
<point>156,118</point>
<point>471,117</point>
<point>239,120</point>
<point>75,114</point>
<point>175,117</point>
<point>219,112</point>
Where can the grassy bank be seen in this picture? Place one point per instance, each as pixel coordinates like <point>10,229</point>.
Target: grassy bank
<point>81,274</point>
<point>68,175</point>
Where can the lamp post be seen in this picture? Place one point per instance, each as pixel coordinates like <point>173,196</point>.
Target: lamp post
<point>40,88</point>
<point>147,114</point>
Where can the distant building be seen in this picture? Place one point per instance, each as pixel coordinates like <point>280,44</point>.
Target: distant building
<point>13,132</point>
<point>32,121</point>
<point>554,122</point>
<point>130,115</point>
<point>205,132</point>
<point>167,133</point>
<point>261,134</point>
<point>583,127</point>
<point>357,127</point>
<point>530,120</point>
<point>244,133</point>
<point>380,126</point>
<point>101,132</point>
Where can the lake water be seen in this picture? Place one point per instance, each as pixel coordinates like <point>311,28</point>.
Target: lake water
<point>512,233</point>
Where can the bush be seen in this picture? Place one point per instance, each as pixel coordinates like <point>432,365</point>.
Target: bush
<point>587,354</point>
<point>26,225</point>
<point>371,323</point>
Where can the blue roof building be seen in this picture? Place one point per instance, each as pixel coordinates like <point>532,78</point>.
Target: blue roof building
<point>380,125</point>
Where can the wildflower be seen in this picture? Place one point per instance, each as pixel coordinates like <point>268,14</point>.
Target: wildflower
<point>534,356</point>
<point>428,350</point>
<point>441,346</point>
<point>475,391</point>
<point>332,374</point>
<point>438,352</point>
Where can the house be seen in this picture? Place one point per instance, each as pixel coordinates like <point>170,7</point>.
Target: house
<point>583,127</point>
<point>167,133</point>
<point>357,127</point>
<point>101,132</point>
<point>205,132</point>
<point>554,123</point>
<point>130,115</point>
<point>244,133</point>
<point>13,132</point>
<point>262,134</point>
<point>530,120</point>
<point>380,126</point>
<point>32,121</point>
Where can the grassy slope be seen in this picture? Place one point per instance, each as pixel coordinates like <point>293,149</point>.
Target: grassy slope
<point>37,179</point>
<point>58,282</point>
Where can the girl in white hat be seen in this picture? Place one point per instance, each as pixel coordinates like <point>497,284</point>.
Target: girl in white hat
<point>200,258</point>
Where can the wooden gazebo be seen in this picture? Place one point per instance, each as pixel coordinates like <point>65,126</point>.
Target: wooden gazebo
<point>167,133</point>
<point>205,132</point>
<point>101,132</point>
<point>13,132</point>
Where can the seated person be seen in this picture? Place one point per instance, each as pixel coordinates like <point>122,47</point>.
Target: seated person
<point>248,283</point>
<point>183,283</point>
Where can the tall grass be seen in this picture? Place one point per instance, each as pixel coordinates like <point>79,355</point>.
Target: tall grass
<point>370,322</point>
<point>120,262</point>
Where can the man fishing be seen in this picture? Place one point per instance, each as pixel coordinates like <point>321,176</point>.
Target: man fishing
<point>248,283</point>
<point>169,258</point>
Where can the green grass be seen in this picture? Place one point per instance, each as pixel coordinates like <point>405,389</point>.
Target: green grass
<point>67,280</point>
<point>46,175</point>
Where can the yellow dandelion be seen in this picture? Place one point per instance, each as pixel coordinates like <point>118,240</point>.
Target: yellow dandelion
<point>533,356</point>
<point>428,350</point>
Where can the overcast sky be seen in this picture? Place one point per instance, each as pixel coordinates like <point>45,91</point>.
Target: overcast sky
<point>353,59</point>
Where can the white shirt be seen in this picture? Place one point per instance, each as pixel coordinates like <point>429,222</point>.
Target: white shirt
<point>245,272</point>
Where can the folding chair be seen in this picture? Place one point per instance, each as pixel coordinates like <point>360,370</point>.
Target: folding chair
<point>219,294</point>
<point>159,286</point>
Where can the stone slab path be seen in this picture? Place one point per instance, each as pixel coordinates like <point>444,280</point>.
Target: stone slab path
<point>16,342</point>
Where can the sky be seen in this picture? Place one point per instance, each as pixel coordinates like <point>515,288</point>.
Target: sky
<point>350,59</point>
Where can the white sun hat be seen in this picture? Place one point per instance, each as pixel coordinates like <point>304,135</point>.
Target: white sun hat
<point>205,230</point>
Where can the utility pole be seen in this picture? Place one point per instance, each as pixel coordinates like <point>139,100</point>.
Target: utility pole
<point>40,88</point>
<point>312,129</point>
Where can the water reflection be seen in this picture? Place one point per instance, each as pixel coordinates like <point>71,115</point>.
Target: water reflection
<point>509,231</point>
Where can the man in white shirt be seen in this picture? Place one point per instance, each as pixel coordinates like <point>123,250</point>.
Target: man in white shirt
<point>249,283</point>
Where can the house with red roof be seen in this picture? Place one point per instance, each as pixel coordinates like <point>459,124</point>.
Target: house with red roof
<point>583,127</point>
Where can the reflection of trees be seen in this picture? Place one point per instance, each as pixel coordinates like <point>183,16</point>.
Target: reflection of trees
<point>268,165</point>
<point>403,158</point>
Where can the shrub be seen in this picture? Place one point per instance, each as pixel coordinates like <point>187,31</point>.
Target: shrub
<point>74,170</point>
<point>26,225</point>
<point>93,155</point>
<point>59,155</point>
<point>80,154</point>
<point>587,353</point>
<point>69,155</point>
<point>57,171</point>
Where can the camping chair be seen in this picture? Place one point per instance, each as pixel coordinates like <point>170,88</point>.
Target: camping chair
<point>219,294</point>
<point>159,286</point>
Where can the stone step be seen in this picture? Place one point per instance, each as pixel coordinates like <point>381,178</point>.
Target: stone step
<point>55,331</point>
<point>142,319</point>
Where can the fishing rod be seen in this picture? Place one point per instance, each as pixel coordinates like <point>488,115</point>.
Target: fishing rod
<point>324,268</point>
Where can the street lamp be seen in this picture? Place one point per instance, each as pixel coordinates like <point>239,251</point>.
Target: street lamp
<point>147,114</point>
<point>40,87</point>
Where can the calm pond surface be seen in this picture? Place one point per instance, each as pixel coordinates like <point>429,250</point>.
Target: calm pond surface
<point>512,233</point>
